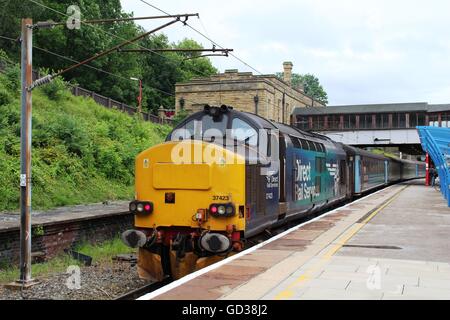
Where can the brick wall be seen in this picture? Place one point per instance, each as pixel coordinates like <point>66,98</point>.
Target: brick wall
<point>52,238</point>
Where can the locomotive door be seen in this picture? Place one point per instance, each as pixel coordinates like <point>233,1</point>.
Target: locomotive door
<point>350,176</point>
<point>282,183</point>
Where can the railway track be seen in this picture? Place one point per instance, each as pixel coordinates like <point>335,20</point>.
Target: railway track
<point>136,293</point>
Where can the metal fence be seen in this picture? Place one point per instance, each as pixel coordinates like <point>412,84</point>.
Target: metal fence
<point>105,101</point>
<point>113,104</point>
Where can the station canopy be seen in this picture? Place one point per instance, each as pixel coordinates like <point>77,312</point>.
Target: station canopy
<point>436,141</point>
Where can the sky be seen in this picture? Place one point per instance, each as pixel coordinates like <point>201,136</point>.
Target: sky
<point>362,51</point>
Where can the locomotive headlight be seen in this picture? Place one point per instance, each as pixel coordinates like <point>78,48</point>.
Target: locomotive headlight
<point>138,207</point>
<point>221,210</point>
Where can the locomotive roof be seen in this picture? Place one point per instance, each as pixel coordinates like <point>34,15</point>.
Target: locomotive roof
<point>362,152</point>
<point>286,129</point>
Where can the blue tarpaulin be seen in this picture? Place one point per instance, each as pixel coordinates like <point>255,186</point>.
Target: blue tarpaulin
<point>436,141</point>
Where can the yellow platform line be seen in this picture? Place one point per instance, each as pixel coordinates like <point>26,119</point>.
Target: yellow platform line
<point>342,240</point>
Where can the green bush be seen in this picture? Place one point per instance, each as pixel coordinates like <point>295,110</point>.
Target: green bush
<point>5,96</point>
<point>12,74</point>
<point>56,89</point>
<point>180,116</point>
<point>82,152</point>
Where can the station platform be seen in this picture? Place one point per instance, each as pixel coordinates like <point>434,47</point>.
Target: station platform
<point>11,220</point>
<point>392,244</point>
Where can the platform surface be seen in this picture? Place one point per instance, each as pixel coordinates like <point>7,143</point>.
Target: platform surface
<point>12,220</point>
<point>393,244</point>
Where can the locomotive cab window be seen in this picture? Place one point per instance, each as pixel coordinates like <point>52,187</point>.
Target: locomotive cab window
<point>203,128</point>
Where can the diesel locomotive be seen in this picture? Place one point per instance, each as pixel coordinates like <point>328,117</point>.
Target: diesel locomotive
<point>223,176</point>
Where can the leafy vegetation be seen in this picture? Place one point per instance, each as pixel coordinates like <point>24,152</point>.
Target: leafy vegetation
<point>82,152</point>
<point>179,117</point>
<point>310,84</point>
<point>158,72</point>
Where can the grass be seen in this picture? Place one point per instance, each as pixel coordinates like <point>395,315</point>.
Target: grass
<point>57,264</point>
<point>105,251</point>
<point>101,253</point>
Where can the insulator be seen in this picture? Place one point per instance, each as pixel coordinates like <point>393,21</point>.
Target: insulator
<point>40,82</point>
<point>45,24</point>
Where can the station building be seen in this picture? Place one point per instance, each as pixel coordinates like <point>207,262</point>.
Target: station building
<point>265,95</point>
<point>384,125</point>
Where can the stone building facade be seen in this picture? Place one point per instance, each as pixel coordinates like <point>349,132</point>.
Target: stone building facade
<point>265,95</point>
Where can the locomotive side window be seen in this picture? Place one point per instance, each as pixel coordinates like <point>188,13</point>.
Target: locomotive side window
<point>305,144</point>
<point>296,142</point>
<point>243,132</point>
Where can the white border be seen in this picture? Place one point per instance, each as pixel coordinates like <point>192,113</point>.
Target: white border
<point>216,265</point>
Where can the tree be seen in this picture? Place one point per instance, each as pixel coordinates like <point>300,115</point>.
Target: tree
<point>159,72</point>
<point>310,84</point>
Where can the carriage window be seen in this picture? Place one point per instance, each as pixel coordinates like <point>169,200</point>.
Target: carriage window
<point>243,132</point>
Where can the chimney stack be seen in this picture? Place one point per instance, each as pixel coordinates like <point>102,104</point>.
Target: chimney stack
<point>287,68</point>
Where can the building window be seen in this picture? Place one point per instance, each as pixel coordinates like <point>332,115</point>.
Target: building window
<point>399,120</point>
<point>433,120</point>
<point>333,122</point>
<point>445,120</point>
<point>350,121</point>
<point>318,123</point>
<point>279,109</point>
<point>416,119</point>
<point>302,122</point>
<point>382,120</point>
<point>286,113</point>
<point>395,120</point>
<point>402,120</point>
<point>365,121</point>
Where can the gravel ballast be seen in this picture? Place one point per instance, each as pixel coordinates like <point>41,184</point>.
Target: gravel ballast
<point>97,282</point>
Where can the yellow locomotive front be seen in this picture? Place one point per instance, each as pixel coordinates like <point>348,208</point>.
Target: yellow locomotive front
<point>189,207</point>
